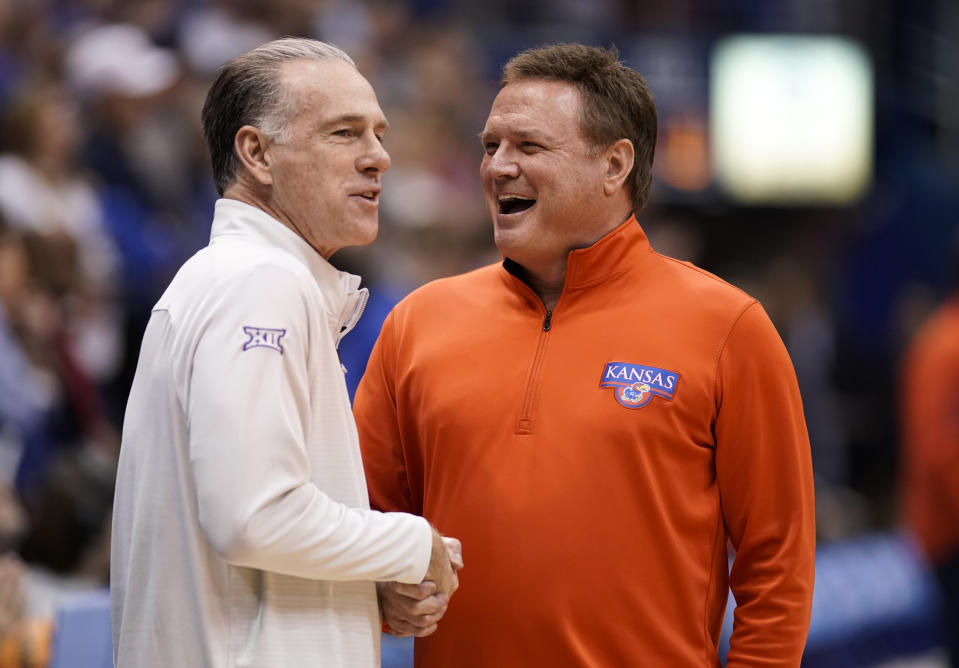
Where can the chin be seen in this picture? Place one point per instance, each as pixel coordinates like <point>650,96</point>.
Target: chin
<point>510,241</point>
<point>364,233</point>
<point>370,237</point>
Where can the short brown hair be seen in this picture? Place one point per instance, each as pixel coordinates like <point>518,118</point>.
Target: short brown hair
<point>617,102</point>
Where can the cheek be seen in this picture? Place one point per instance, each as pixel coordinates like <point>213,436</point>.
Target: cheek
<point>484,173</point>
<point>313,185</point>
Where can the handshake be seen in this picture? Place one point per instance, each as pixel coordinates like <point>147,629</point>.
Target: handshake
<point>415,610</point>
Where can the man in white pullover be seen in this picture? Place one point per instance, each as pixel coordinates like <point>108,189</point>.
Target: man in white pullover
<point>242,534</point>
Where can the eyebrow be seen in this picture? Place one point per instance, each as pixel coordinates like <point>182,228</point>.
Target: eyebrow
<point>356,118</point>
<point>519,134</point>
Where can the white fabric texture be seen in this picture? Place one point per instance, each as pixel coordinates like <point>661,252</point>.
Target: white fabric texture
<point>242,534</point>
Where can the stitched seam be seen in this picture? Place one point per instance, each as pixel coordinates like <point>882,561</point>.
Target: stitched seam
<point>719,356</point>
<point>722,348</point>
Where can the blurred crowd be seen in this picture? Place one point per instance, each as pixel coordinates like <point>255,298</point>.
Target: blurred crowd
<point>105,189</point>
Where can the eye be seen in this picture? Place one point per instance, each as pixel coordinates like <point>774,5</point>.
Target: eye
<point>530,147</point>
<point>345,132</point>
<point>490,147</point>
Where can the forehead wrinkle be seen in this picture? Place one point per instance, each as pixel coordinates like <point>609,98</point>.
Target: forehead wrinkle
<point>525,107</point>
<point>319,85</point>
<point>529,134</point>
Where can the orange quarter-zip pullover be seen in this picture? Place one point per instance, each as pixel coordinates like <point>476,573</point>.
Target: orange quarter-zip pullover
<point>595,461</point>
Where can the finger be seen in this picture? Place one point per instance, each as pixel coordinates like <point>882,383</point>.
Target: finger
<point>452,583</point>
<point>406,630</point>
<point>412,610</point>
<point>422,633</point>
<point>416,625</point>
<point>400,622</point>
<point>415,591</point>
<point>433,604</point>
<point>419,621</point>
<point>454,548</point>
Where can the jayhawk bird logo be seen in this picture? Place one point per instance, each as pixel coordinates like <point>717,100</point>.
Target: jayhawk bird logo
<point>635,385</point>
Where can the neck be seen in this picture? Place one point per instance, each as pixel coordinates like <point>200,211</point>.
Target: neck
<point>547,278</point>
<point>252,196</point>
<point>258,198</point>
<point>547,282</point>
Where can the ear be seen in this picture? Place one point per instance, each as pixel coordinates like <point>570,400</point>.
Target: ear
<point>252,147</point>
<point>619,163</point>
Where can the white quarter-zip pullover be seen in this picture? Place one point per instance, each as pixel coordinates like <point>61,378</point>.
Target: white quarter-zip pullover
<point>242,534</point>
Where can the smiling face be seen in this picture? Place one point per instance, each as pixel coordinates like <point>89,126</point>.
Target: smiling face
<point>542,178</point>
<point>326,180</point>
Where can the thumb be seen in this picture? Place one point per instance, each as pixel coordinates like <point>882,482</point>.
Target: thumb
<point>455,551</point>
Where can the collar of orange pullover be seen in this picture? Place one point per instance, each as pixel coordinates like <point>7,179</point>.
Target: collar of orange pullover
<point>621,249</point>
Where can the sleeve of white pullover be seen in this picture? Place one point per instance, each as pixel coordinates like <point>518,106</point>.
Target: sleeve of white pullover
<point>250,414</point>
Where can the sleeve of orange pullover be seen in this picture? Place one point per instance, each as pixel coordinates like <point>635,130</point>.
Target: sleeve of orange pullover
<point>374,408</point>
<point>934,421</point>
<point>764,468</point>
<point>931,431</point>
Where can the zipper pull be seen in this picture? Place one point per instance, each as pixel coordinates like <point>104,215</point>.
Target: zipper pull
<point>549,316</point>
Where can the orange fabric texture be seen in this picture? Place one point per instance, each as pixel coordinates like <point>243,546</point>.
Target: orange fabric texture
<point>931,433</point>
<point>595,533</point>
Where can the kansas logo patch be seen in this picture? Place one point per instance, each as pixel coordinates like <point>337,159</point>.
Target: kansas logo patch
<point>636,384</point>
<point>261,337</point>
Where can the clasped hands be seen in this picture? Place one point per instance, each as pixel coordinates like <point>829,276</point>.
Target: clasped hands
<point>415,610</point>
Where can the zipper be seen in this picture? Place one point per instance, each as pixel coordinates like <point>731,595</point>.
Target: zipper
<point>359,298</point>
<point>525,424</point>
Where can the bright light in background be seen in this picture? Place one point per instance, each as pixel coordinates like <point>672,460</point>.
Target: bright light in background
<point>791,119</point>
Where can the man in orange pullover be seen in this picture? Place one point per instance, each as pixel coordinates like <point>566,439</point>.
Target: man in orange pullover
<point>930,422</point>
<point>594,420</point>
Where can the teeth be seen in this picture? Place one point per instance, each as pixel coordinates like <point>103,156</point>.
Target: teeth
<point>511,198</point>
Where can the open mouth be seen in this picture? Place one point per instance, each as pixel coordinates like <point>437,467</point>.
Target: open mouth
<point>514,204</point>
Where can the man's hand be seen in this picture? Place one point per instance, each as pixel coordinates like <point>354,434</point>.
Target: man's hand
<point>411,610</point>
<point>415,610</point>
<point>441,569</point>
<point>454,549</point>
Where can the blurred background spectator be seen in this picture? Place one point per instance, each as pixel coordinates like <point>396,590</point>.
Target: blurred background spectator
<point>809,152</point>
<point>930,428</point>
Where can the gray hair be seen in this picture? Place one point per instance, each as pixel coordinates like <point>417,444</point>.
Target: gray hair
<point>248,91</point>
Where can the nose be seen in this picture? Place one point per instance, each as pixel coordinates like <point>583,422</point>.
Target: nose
<point>500,165</point>
<point>375,159</point>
